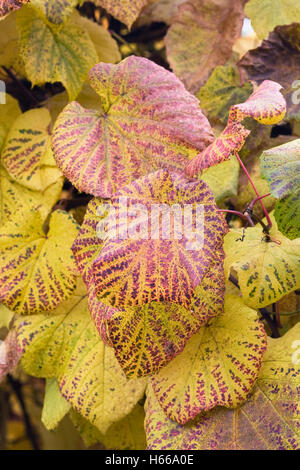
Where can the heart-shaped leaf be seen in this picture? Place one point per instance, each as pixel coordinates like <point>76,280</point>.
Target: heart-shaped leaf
<point>149,121</point>
<point>281,167</point>
<point>65,345</point>
<point>54,53</point>
<point>201,37</point>
<point>267,268</point>
<point>37,271</point>
<point>158,253</point>
<point>269,420</point>
<point>218,367</point>
<point>27,154</point>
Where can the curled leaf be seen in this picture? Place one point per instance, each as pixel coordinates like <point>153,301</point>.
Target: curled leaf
<point>148,121</point>
<point>230,140</point>
<point>37,271</point>
<point>266,105</point>
<point>218,366</point>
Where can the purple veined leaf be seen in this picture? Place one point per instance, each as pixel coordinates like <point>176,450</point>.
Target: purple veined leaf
<point>231,140</point>
<point>145,338</point>
<point>168,233</point>
<point>268,420</point>
<point>8,6</point>
<point>149,121</point>
<point>266,105</point>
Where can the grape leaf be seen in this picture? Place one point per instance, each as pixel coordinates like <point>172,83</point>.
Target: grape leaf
<point>9,112</point>
<point>267,271</point>
<point>277,59</point>
<point>201,37</point>
<point>125,11</point>
<point>14,196</point>
<point>141,265</point>
<point>219,365</point>
<point>266,14</point>
<point>126,434</point>
<point>269,420</point>
<point>55,406</point>
<point>53,52</point>
<point>266,105</point>
<point>37,270</point>
<point>222,90</point>
<point>6,316</point>
<point>148,121</point>
<point>27,154</point>
<point>10,354</point>
<point>230,140</point>
<point>146,338</point>
<point>8,6</point>
<point>65,345</point>
<point>281,167</point>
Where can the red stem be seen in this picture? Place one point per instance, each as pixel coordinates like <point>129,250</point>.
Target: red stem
<point>255,190</point>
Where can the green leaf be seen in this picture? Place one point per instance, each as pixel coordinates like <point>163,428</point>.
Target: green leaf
<point>269,420</point>
<point>27,155</point>
<point>223,179</point>
<point>148,121</point>
<point>222,90</point>
<point>201,37</point>
<point>37,271</point>
<point>267,269</point>
<point>218,367</point>
<point>281,167</point>
<point>54,53</point>
<point>55,405</point>
<point>265,15</point>
<point>126,434</point>
<point>65,345</point>
<point>56,11</point>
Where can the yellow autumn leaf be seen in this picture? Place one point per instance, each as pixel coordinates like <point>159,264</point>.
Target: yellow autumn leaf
<point>37,270</point>
<point>10,110</point>
<point>27,155</point>
<point>66,346</point>
<point>218,366</point>
<point>267,268</point>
